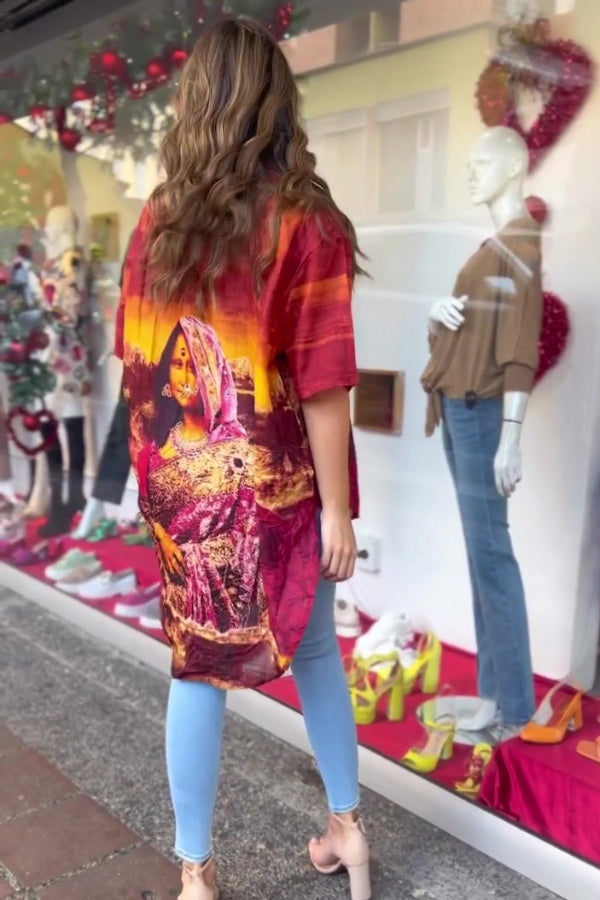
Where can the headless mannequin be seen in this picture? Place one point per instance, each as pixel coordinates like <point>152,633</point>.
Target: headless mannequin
<point>113,470</point>
<point>64,281</point>
<point>497,169</point>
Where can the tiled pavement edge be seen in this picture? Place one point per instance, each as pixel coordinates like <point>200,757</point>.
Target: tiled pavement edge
<point>56,843</point>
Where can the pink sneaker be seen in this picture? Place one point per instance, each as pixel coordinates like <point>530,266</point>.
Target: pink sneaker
<point>130,607</point>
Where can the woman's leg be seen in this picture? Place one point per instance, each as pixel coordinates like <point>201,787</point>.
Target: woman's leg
<point>326,705</point>
<point>194,736</point>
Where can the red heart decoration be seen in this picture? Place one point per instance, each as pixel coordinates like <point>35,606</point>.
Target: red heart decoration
<point>562,67</point>
<point>42,417</point>
<point>556,327</point>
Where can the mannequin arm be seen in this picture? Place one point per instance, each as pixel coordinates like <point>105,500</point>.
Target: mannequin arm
<point>507,464</point>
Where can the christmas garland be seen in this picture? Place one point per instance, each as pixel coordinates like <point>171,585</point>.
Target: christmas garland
<point>81,95</point>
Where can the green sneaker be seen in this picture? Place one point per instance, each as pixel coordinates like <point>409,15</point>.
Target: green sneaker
<point>67,562</point>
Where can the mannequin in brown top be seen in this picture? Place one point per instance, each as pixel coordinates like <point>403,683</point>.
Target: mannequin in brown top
<point>484,355</point>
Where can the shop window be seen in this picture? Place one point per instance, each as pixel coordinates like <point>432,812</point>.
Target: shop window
<point>340,145</point>
<point>411,153</point>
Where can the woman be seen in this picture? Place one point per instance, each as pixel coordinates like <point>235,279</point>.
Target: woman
<point>240,277</point>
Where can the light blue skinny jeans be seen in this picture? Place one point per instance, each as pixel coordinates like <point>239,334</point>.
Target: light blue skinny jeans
<point>471,438</point>
<point>195,728</point>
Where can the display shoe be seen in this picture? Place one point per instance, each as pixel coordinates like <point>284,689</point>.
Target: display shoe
<point>590,749</point>
<point>67,563</point>
<point>347,620</point>
<point>439,745</point>
<point>382,677</point>
<point>107,585</point>
<point>12,525</point>
<point>133,605</point>
<point>478,763</point>
<point>425,670</point>
<point>344,846</point>
<point>43,552</point>
<point>79,575</point>
<point>151,616</point>
<point>551,721</point>
<point>199,882</point>
<point>391,631</point>
<point>102,531</point>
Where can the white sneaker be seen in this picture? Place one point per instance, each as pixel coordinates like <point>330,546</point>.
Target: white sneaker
<point>150,618</point>
<point>347,622</point>
<point>134,605</point>
<point>107,585</point>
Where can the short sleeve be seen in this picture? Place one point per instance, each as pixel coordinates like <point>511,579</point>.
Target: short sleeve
<point>317,330</point>
<point>134,251</point>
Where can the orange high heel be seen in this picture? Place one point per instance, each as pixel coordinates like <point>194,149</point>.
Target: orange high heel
<point>550,723</point>
<point>344,846</point>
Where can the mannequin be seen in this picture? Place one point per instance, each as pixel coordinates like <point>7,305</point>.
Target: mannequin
<point>113,470</point>
<point>65,285</point>
<point>484,355</point>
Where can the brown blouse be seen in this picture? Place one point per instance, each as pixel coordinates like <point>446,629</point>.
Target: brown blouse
<point>496,349</point>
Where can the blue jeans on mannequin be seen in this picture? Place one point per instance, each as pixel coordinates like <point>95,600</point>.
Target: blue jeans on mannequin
<point>195,727</point>
<point>471,438</point>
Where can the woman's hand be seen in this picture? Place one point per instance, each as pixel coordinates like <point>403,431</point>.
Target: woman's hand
<point>172,556</point>
<point>339,545</point>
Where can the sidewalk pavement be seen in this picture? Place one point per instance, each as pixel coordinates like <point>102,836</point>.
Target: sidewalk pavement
<point>57,843</point>
<point>84,802</point>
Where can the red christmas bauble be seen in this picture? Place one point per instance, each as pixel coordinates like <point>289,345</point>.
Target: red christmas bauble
<point>69,138</point>
<point>31,422</point>
<point>81,92</point>
<point>537,209</point>
<point>38,111</point>
<point>157,69</point>
<point>37,340</point>
<point>5,119</point>
<point>112,63</point>
<point>179,58</point>
<point>17,352</point>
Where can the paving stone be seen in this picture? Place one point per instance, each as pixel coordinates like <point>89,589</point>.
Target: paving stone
<point>142,874</point>
<point>5,889</point>
<point>28,781</point>
<point>9,742</point>
<point>42,845</point>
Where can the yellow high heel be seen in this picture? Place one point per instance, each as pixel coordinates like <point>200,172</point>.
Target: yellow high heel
<point>427,666</point>
<point>358,667</point>
<point>440,745</point>
<point>372,684</point>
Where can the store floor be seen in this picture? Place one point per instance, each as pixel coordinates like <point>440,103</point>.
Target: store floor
<point>97,717</point>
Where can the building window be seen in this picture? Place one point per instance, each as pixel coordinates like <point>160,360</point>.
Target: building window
<point>411,152</point>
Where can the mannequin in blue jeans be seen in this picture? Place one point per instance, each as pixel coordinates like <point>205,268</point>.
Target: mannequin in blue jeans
<point>195,727</point>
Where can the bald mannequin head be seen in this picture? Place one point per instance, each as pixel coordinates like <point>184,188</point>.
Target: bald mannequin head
<point>498,165</point>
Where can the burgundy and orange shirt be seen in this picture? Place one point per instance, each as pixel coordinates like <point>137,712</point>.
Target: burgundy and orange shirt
<point>220,451</point>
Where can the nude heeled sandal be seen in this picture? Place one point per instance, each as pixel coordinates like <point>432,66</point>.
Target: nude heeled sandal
<point>344,846</point>
<point>199,881</point>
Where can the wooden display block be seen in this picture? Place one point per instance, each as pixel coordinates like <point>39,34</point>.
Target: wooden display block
<point>379,401</point>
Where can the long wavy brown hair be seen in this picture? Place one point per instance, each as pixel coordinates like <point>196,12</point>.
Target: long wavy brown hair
<point>237,144</point>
